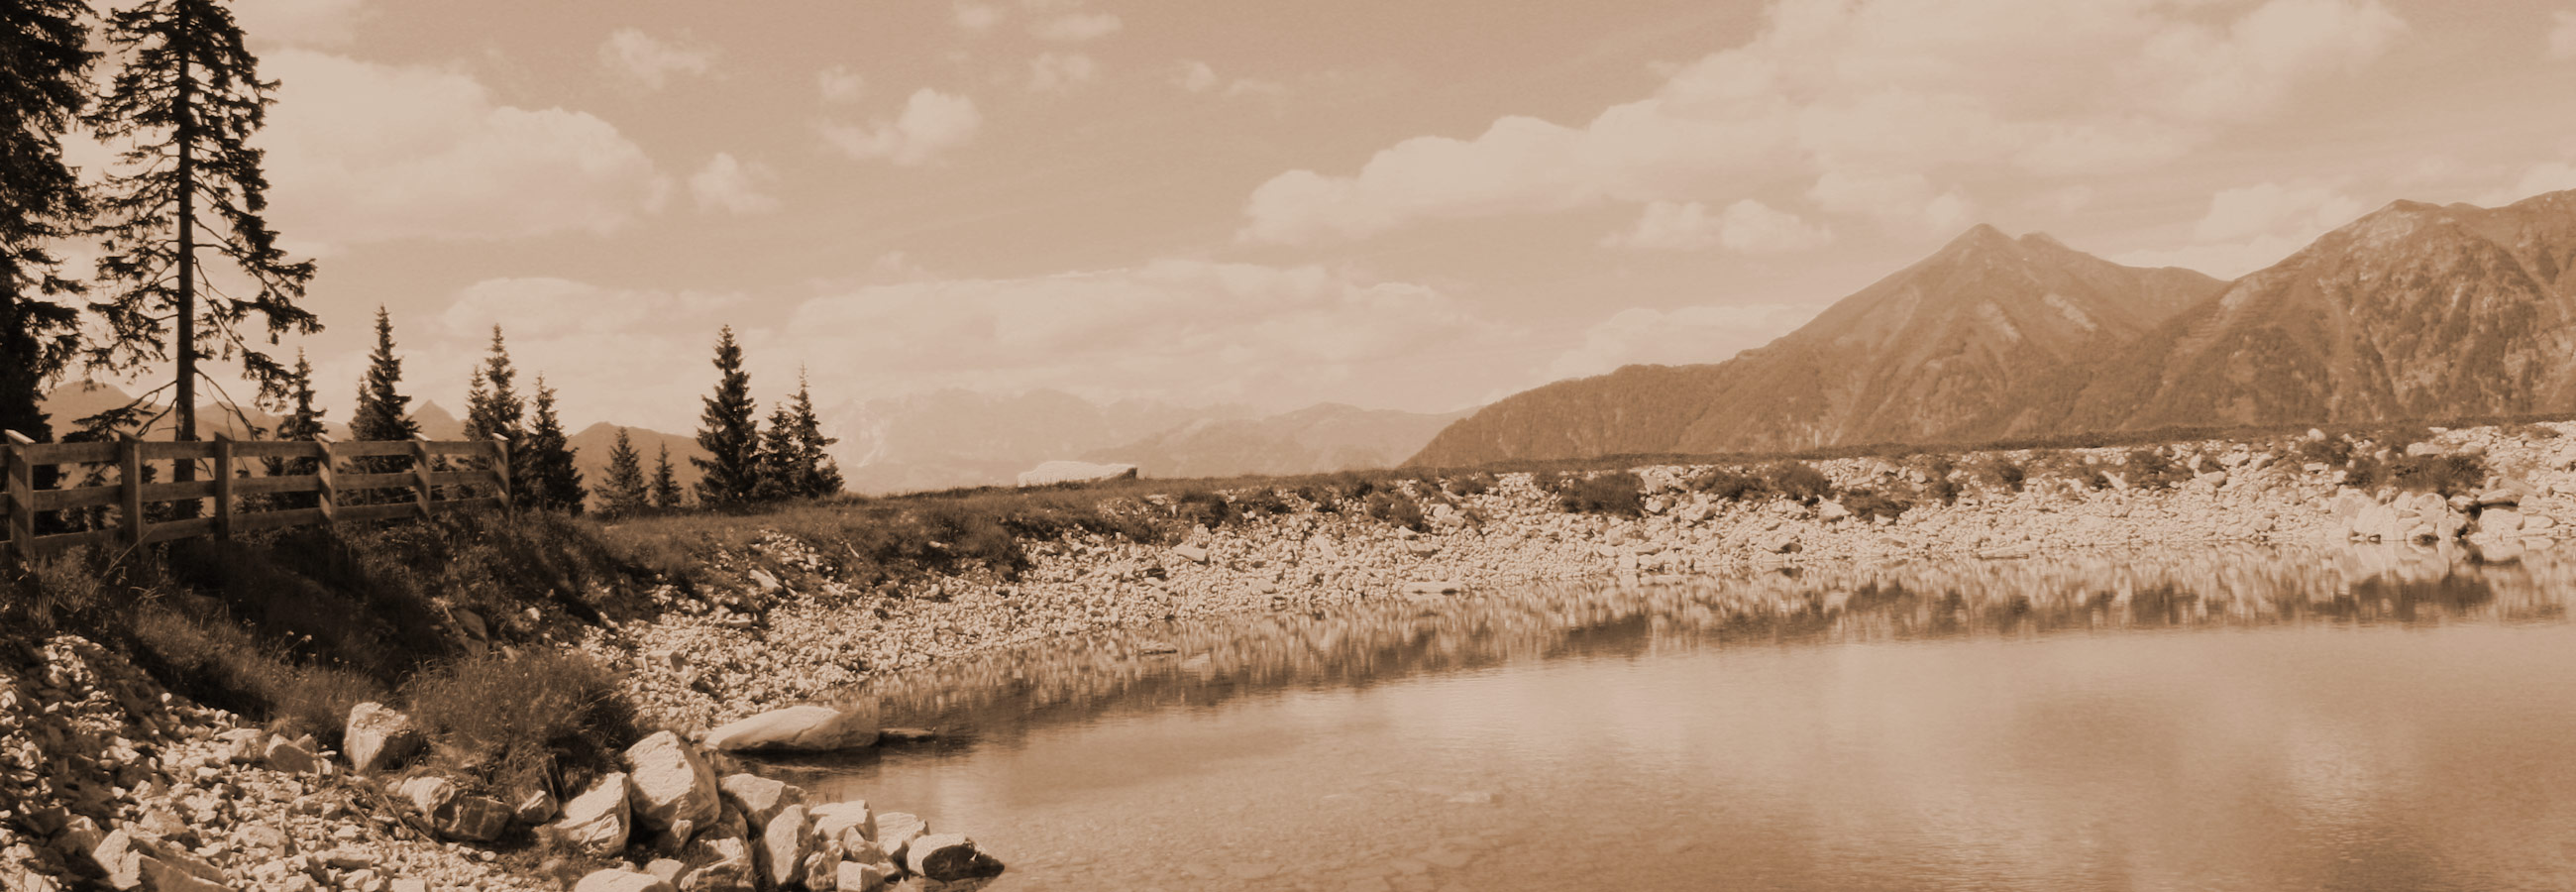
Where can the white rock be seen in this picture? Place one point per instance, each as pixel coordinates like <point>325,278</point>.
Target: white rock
<point>378,738</point>
<point>719,863</point>
<point>671,783</point>
<point>614,880</point>
<point>1831,510</point>
<point>809,728</point>
<point>942,856</point>
<point>1191,553</point>
<point>759,798</point>
<point>2499,520</point>
<point>896,831</point>
<point>597,821</point>
<point>783,843</point>
<point>854,876</point>
<point>281,754</point>
<point>134,861</point>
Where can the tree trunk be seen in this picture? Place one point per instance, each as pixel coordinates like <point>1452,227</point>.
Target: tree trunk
<point>184,470</point>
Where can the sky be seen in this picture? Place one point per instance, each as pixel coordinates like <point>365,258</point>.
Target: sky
<point>1422,205</point>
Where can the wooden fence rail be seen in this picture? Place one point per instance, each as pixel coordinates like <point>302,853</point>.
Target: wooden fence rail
<point>335,489</point>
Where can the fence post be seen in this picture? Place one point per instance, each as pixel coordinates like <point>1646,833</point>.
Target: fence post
<point>22,497</point>
<point>130,485</point>
<point>223,484</point>
<point>501,468</point>
<point>323,498</point>
<point>420,473</point>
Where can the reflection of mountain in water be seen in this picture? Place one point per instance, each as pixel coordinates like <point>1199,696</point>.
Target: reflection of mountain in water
<point>1002,694</point>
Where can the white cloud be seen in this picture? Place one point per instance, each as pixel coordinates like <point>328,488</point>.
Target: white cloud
<point>1195,77</point>
<point>1906,199</point>
<point>2547,176</point>
<point>2562,34</point>
<point>1075,27</point>
<point>608,351</point>
<point>650,61</point>
<point>978,17</point>
<point>1745,227</point>
<point>932,122</point>
<point>1696,334</point>
<point>1058,72</point>
<point>1873,93</point>
<point>733,186</point>
<point>315,23</point>
<point>365,152</point>
<point>839,84</point>
<point>2251,227</point>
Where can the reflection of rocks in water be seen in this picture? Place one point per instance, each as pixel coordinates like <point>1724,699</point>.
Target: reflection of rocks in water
<point>1206,663</point>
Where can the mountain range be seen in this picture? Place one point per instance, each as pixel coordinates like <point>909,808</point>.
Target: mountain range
<point>2412,311</point>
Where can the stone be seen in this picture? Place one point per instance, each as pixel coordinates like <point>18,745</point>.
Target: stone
<point>379,739</point>
<point>472,819</point>
<point>409,885</point>
<point>1830,510</point>
<point>535,806</point>
<point>2532,523</point>
<point>896,831</point>
<point>759,798</point>
<point>2499,521</point>
<point>718,863</point>
<point>597,821</point>
<point>809,728</point>
<point>137,861</point>
<point>666,869</point>
<point>849,823</point>
<point>945,857</point>
<point>2417,450</point>
<point>853,876</point>
<point>2499,496</point>
<point>783,845</point>
<point>428,793</point>
<point>822,866</point>
<point>281,754</point>
<point>619,880</point>
<point>671,782</point>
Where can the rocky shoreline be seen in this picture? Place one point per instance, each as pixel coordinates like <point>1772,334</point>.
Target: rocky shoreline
<point>108,780</point>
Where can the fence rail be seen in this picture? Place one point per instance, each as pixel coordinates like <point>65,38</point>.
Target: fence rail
<point>214,505</point>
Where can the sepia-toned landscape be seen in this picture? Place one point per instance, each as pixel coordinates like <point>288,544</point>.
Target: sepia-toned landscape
<point>1085,444</point>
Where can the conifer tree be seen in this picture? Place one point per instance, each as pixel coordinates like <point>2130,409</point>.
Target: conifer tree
<point>382,412</point>
<point>793,462</point>
<point>666,485</point>
<point>43,53</point>
<point>303,423</point>
<point>492,405</point>
<point>184,108</point>
<point>552,480</point>
<point>624,492</point>
<point>729,432</point>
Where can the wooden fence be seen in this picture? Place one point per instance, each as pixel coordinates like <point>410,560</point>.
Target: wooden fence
<point>335,488</point>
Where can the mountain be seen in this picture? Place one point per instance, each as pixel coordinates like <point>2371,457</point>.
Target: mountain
<point>958,438</point>
<point>1990,334</point>
<point>1317,439</point>
<point>2413,311</point>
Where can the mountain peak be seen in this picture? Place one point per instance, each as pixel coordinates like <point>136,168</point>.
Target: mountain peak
<point>1982,235</point>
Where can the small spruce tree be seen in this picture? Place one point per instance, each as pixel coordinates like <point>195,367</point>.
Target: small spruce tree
<point>666,484</point>
<point>816,475</point>
<point>303,423</point>
<point>382,412</point>
<point>625,491</point>
<point>729,432</point>
<point>552,480</point>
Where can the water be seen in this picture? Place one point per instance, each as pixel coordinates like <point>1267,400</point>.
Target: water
<point>2387,719</point>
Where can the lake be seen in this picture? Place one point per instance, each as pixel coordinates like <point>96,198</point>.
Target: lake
<point>2384,718</point>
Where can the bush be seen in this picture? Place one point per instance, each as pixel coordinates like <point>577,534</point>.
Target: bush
<point>501,718</point>
<point>2151,469</point>
<point>1206,508</point>
<point>1873,504</point>
<point>1393,507</point>
<point>2448,475</point>
<point>2004,473</point>
<point>1800,482</point>
<point>217,662</point>
<point>1476,484</point>
<point>1617,493</point>
<point>1730,484</point>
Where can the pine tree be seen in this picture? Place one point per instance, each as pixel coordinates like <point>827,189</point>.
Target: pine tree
<point>186,105</point>
<point>381,413</point>
<point>303,423</point>
<point>815,474</point>
<point>666,485</point>
<point>728,432</point>
<point>492,407</point>
<point>43,54</point>
<point>625,490</point>
<point>552,480</point>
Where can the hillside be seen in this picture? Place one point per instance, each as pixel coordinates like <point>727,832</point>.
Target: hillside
<point>1322,438</point>
<point>960,438</point>
<point>1977,339</point>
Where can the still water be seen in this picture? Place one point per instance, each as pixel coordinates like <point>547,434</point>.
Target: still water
<point>2247,719</point>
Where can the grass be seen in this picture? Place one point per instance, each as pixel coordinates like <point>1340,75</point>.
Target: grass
<point>503,719</point>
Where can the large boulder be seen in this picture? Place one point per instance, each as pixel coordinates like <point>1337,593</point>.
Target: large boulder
<point>948,857</point>
<point>855,876</point>
<point>379,739</point>
<point>140,861</point>
<point>618,880</point>
<point>597,821</point>
<point>821,869</point>
<point>719,863</point>
<point>849,823</point>
<point>896,831</point>
<point>760,798</point>
<point>798,728</point>
<point>456,816</point>
<point>672,783</point>
<point>784,840</point>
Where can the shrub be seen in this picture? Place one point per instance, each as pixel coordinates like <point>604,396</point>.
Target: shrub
<point>2448,475</point>
<point>1393,507</point>
<point>2333,452</point>
<point>1800,482</point>
<point>2003,473</point>
<point>1730,484</point>
<point>1871,503</point>
<point>1617,493</point>
<point>1206,508</point>
<point>501,717</point>
<point>1476,484</point>
<point>2151,469</point>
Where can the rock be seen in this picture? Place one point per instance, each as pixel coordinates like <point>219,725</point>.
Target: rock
<point>1783,543</point>
<point>534,806</point>
<point>822,866</point>
<point>853,876</point>
<point>759,798</point>
<point>2533,523</point>
<point>1191,553</point>
<point>671,782</point>
<point>597,821</point>
<point>379,739</point>
<point>947,857</point>
<point>2499,496</point>
<point>1074,472</point>
<point>783,845</point>
<point>2499,521</point>
<point>135,861</point>
<point>850,824</point>
<point>718,863</point>
<point>896,831</point>
<point>617,880</point>
<point>799,729</point>
<point>666,869</point>
<point>472,819</point>
<point>428,793</point>
<point>2417,450</point>
<point>1830,510</point>
<point>281,754</point>
<point>409,885</point>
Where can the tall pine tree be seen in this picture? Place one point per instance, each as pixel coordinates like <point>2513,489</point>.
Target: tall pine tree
<point>666,484</point>
<point>624,492</point>
<point>793,463</point>
<point>493,408</point>
<point>552,481</point>
<point>303,423</point>
<point>382,412</point>
<point>729,432</point>
<point>42,57</point>
<point>184,108</point>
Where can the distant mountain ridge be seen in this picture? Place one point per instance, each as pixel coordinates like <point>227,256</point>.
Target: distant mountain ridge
<point>2412,311</point>
<point>1322,438</point>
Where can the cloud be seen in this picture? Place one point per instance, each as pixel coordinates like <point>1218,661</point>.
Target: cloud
<point>608,351</point>
<point>1858,96</point>
<point>1905,199</point>
<point>366,152</point>
<point>839,84</point>
<point>1075,27</point>
<point>1745,227</point>
<point>732,186</point>
<point>932,122</point>
<point>1694,334</point>
<point>2562,34</point>
<point>1195,77</point>
<point>1058,72</point>
<point>2251,227</point>
<point>978,17</point>
<point>2547,176</point>
<point>313,23</point>
<point>649,61</point>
